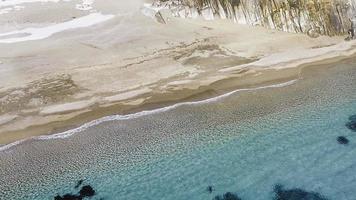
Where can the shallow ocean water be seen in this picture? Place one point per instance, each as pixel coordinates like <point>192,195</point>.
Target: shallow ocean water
<point>246,144</point>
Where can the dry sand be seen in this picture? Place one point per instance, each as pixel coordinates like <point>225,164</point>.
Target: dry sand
<point>130,62</point>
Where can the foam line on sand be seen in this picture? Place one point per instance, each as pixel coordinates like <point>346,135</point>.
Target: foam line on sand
<point>69,133</point>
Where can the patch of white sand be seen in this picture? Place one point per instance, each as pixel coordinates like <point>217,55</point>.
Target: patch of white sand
<point>67,107</point>
<point>302,53</point>
<point>5,10</point>
<point>181,82</point>
<point>296,57</point>
<point>127,95</point>
<point>13,5</point>
<point>7,3</point>
<point>4,119</point>
<point>45,32</point>
<point>134,102</point>
<point>10,9</point>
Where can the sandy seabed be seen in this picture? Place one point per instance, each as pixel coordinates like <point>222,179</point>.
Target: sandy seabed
<point>65,63</point>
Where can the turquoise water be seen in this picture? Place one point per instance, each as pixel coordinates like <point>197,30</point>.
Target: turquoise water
<point>246,144</point>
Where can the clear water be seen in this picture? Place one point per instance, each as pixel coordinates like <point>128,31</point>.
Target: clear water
<point>245,144</point>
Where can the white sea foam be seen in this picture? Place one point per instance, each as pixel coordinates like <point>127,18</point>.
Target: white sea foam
<point>5,10</point>
<point>13,5</point>
<point>69,133</point>
<point>45,32</point>
<point>6,3</point>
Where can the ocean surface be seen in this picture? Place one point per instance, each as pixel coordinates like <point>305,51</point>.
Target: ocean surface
<point>287,141</point>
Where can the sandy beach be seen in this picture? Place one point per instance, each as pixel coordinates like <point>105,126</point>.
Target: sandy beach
<point>84,61</point>
<point>177,99</point>
<point>242,141</point>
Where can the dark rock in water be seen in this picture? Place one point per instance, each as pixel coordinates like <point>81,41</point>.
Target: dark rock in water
<point>57,197</point>
<point>68,197</point>
<point>227,196</point>
<point>342,140</point>
<point>352,118</point>
<point>230,196</point>
<point>87,191</point>
<point>79,183</point>
<point>351,126</point>
<point>217,198</point>
<point>352,123</point>
<point>296,194</point>
<point>72,197</point>
<point>210,189</point>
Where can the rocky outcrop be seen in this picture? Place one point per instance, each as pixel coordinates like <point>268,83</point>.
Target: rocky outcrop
<point>313,17</point>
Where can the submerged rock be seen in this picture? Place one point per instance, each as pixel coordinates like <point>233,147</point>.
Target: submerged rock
<point>295,194</point>
<point>210,189</point>
<point>227,196</point>
<point>352,123</point>
<point>87,191</point>
<point>352,118</point>
<point>342,140</point>
<point>68,197</point>
<point>352,126</point>
<point>79,183</point>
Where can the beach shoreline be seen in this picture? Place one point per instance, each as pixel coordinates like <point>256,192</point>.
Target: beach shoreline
<point>267,78</point>
<point>68,118</point>
<point>139,140</point>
